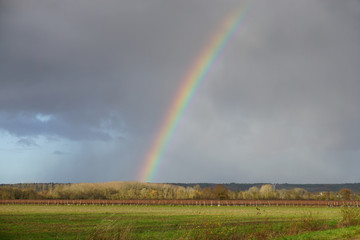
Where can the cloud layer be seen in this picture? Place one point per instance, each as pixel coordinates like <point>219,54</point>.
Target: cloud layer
<point>85,86</point>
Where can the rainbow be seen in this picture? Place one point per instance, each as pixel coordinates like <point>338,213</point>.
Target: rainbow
<point>190,84</point>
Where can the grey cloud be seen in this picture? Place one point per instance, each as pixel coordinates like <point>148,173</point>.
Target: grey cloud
<point>26,124</point>
<point>27,142</point>
<point>282,105</point>
<point>57,152</point>
<point>283,96</point>
<point>304,73</point>
<point>84,60</point>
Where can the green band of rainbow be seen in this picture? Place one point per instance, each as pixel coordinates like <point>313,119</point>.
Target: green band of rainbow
<point>191,83</point>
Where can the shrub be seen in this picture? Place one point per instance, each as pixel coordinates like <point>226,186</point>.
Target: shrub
<point>350,216</point>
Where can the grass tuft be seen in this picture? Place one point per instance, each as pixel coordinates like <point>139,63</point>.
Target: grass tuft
<point>111,230</point>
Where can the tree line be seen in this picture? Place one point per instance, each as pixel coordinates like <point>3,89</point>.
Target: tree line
<point>313,188</point>
<point>138,190</point>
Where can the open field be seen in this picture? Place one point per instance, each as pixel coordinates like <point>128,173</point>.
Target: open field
<point>171,222</point>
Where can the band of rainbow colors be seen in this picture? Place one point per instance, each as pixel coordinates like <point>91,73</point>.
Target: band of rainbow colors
<point>191,83</point>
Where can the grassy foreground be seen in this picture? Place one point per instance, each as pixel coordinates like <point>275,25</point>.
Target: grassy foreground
<point>175,222</point>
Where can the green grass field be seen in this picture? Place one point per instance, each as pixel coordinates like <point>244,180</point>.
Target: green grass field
<point>171,222</point>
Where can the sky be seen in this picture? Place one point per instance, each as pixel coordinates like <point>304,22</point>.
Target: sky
<point>85,86</point>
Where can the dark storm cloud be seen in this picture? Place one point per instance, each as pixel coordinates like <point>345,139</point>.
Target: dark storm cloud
<point>284,98</point>
<point>102,74</point>
<point>82,61</point>
<point>102,71</point>
<point>304,73</point>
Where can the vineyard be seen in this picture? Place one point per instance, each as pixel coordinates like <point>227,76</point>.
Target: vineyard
<point>187,202</point>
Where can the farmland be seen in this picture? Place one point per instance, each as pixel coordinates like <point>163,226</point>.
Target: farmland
<point>101,221</point>
<point>293,203</point>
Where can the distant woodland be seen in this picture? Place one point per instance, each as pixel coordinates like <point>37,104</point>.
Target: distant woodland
<point>137,190</point>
